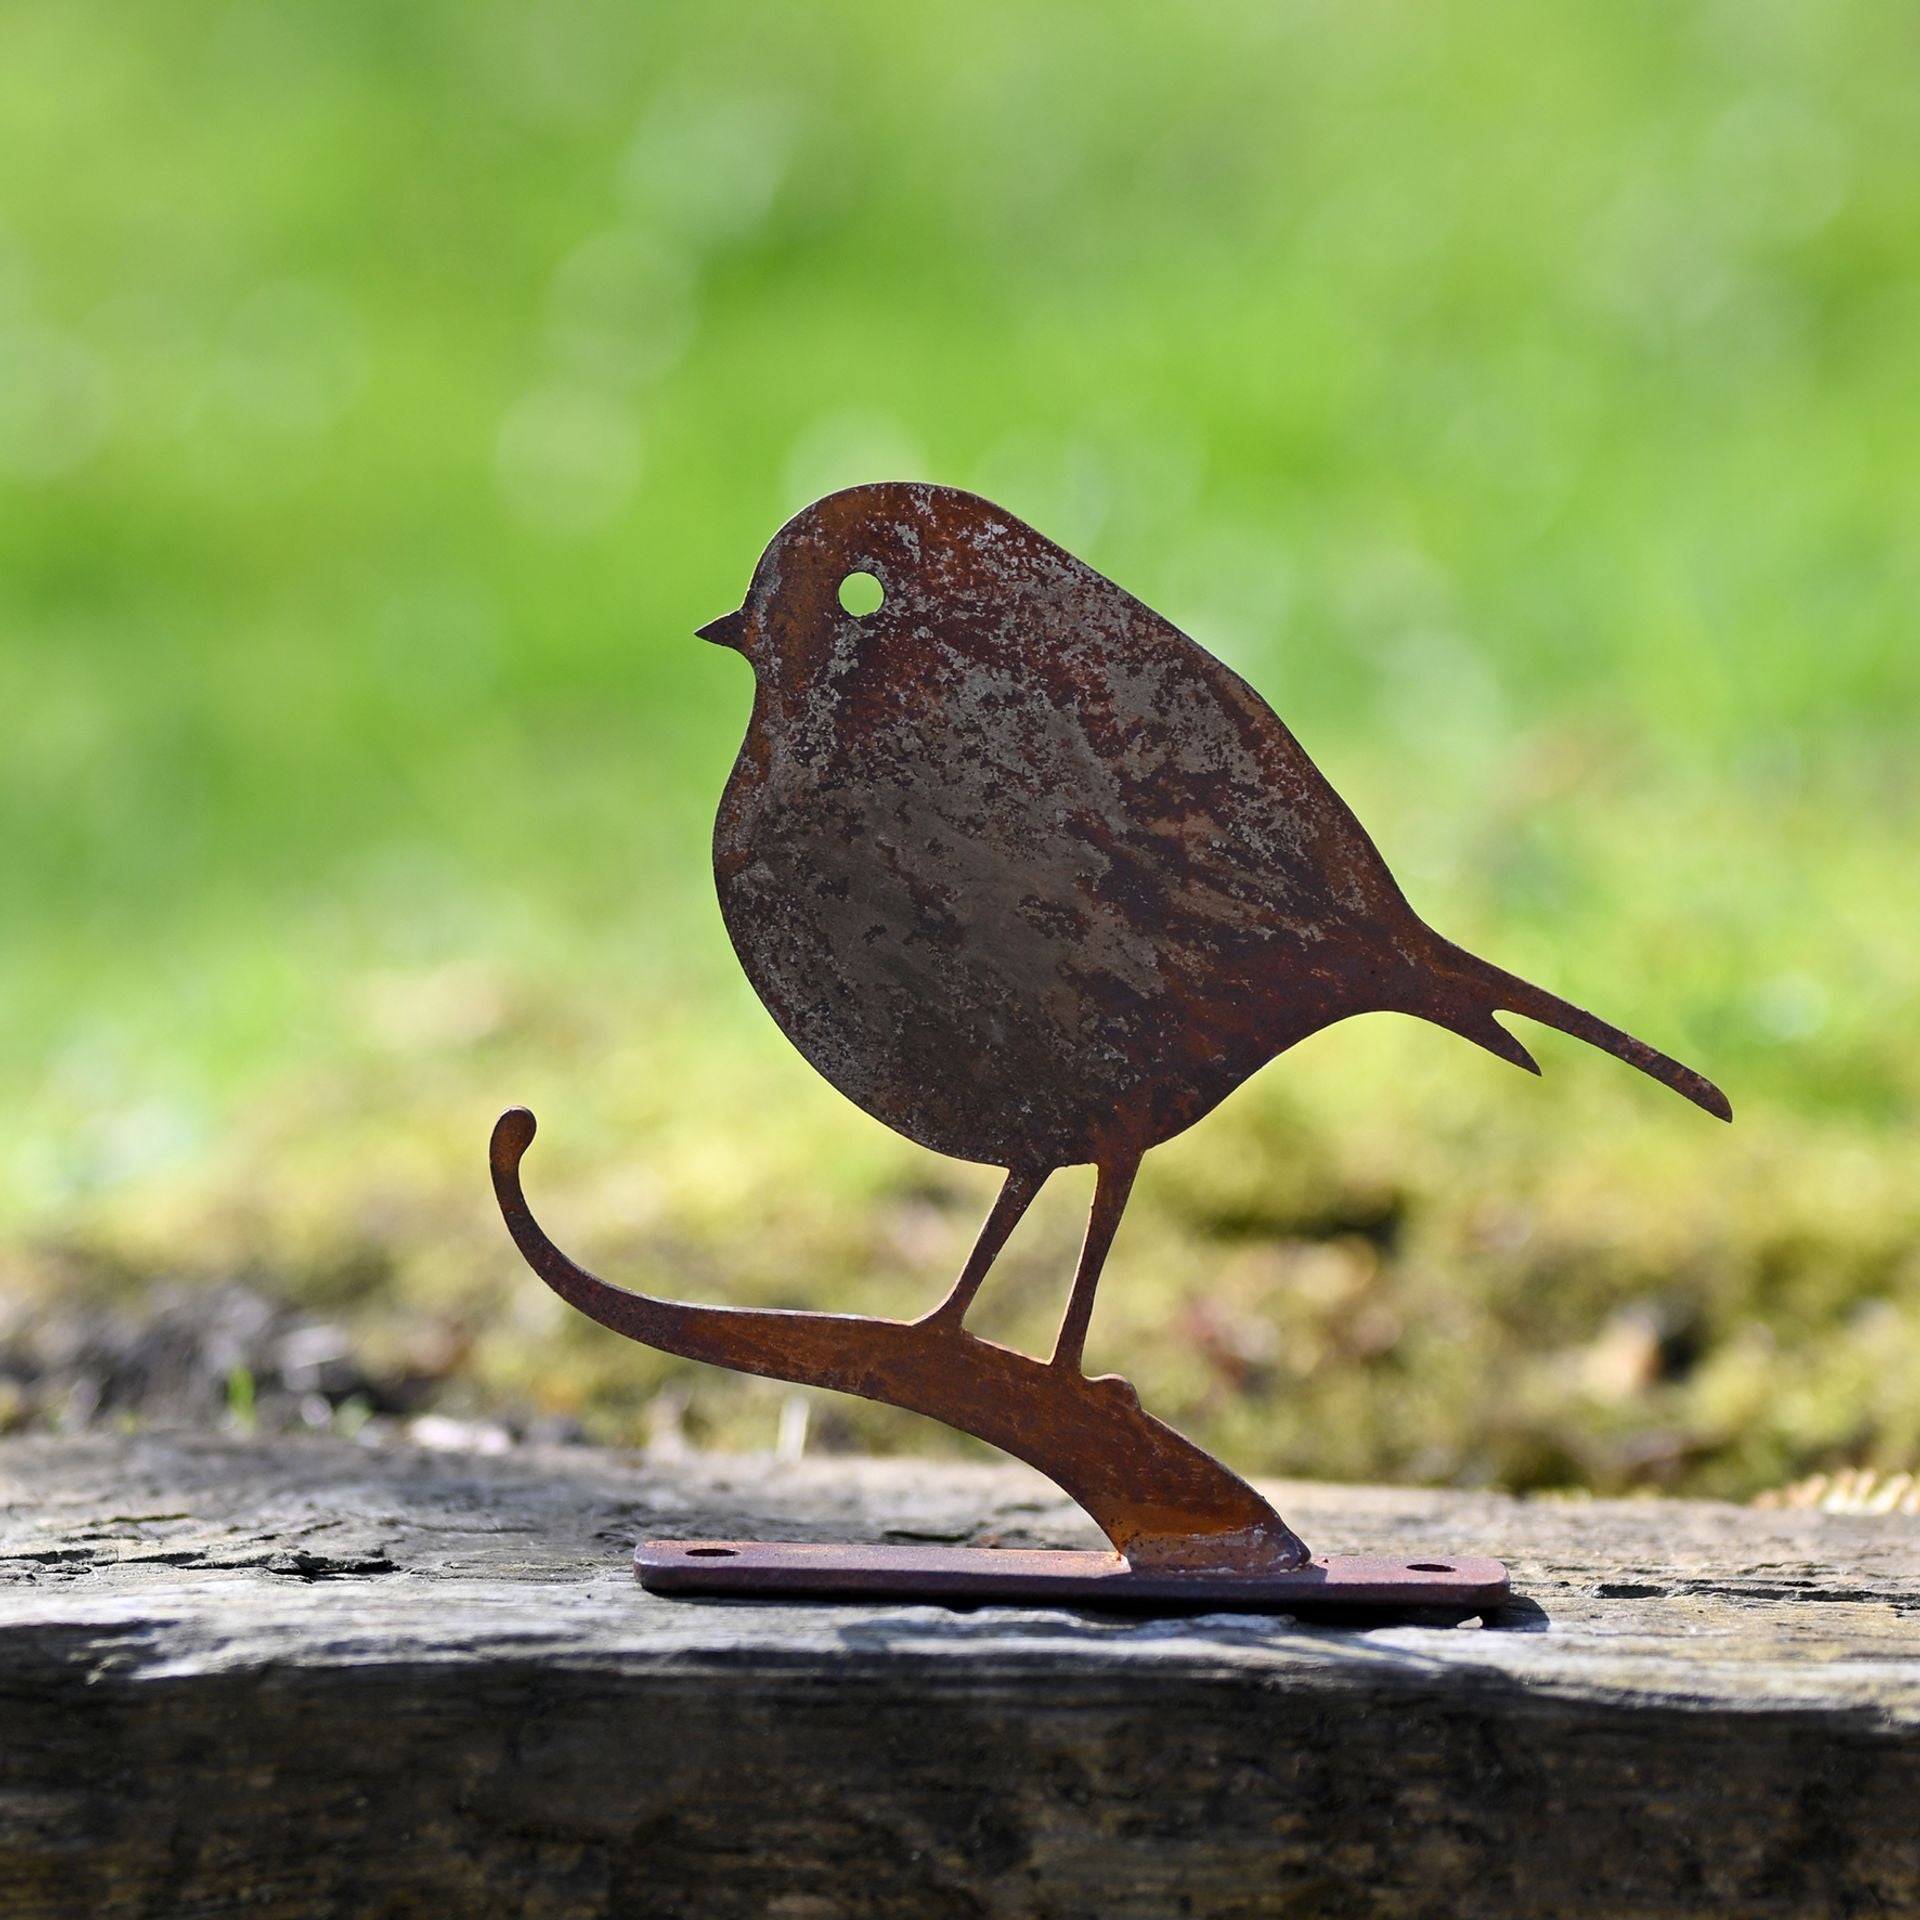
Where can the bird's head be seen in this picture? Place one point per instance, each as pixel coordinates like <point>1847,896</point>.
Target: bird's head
<point>865,565</point>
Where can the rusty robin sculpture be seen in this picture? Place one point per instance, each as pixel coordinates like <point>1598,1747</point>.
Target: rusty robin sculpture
<point>1036,880</point>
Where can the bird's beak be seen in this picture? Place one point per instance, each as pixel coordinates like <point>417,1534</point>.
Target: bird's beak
<point>730,630</point>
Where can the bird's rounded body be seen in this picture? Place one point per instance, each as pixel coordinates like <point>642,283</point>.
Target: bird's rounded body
<point>1036,880</point>
<point>1017,865</point>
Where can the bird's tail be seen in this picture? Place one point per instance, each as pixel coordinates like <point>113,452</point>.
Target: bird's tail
<point>1480,989</point>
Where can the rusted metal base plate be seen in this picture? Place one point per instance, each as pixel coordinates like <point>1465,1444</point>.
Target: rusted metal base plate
<point>978,1576</point>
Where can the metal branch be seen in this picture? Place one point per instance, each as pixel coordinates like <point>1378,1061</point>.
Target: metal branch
<point>1162,1501</point>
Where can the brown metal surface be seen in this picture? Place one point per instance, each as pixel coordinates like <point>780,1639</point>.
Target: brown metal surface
<point>1031,876</point>
<point>1160,1499</point>
<point>977,1575</point>
<point>1034,879</point>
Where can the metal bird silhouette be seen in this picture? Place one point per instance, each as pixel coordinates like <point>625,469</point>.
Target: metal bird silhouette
<point>1033,878</point>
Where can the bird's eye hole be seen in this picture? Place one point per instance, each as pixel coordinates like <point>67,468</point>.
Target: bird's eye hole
<point>861,594</point>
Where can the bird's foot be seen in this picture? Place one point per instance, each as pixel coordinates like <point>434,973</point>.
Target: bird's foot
<point>1116,1386</point>
<point>947,1320</point>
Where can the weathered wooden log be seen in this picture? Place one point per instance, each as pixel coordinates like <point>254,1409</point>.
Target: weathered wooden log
<point>297,1678</point>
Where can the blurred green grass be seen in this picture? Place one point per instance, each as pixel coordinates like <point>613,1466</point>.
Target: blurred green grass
<point>1524,398</point>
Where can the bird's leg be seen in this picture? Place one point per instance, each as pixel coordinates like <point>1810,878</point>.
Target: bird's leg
<point>1015,1197</point>
<point>1110,1193</point>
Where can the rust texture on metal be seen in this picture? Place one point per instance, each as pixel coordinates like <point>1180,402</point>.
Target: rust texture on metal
<point>1034,879</point>
<point>1027,1574</point>
<point>1029,874</point>
<point>1162,1501</point>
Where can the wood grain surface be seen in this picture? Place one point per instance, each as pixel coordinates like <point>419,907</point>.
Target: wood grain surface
<point>310,1677</point>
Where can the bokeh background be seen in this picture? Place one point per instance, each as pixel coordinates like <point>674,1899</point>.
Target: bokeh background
<point>1523,397</point>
